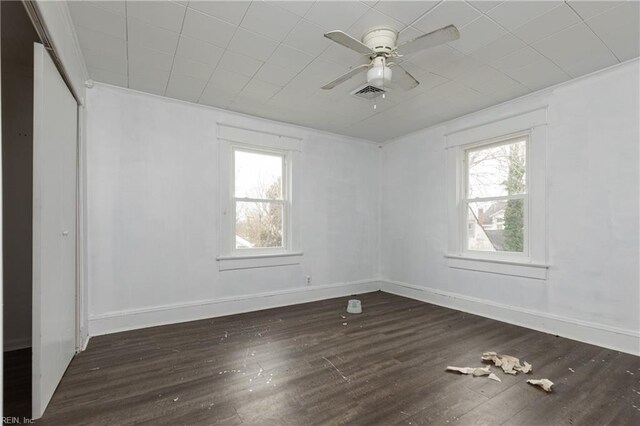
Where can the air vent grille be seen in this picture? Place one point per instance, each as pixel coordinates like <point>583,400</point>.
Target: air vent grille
<point>368,92</point>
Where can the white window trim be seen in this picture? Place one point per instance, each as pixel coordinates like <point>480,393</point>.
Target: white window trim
<point>230,263</point>
<point>533,264</point>
<point>230,139</point>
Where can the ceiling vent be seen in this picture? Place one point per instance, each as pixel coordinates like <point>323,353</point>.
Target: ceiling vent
<point>368,92</point>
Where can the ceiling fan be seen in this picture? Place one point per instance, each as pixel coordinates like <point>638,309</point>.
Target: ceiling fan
<point>379,44</point>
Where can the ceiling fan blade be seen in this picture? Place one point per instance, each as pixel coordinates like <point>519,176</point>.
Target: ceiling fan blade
<point>402,78</point>
<point>346,40</point>
<point>434,38</point>
<point>347,76</point>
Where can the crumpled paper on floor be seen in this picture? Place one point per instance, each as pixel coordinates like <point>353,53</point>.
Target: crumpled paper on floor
<point>508,363</point>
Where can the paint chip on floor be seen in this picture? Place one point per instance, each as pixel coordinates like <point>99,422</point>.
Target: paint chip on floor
<point>494,377</point>
<point>543,383</point>
<point>473,371</point>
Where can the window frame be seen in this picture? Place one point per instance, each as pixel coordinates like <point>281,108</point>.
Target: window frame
<point>265,140</point>
<point>285,201</point>
<point>465,201</point>
<point>457,140</point>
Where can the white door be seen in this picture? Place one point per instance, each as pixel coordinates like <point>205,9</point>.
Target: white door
<point>54,229</point>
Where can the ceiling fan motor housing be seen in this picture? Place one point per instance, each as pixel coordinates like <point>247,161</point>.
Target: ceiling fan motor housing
<point>381,39</point>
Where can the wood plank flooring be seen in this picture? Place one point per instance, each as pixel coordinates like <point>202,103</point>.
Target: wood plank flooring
<point>314,364</point>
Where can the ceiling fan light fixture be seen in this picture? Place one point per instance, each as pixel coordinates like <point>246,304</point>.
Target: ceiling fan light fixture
<point>380,44</point>
<point>379,74</point>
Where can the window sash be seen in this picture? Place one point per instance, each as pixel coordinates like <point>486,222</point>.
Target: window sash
<point>525,228</point>
<point>258,200</point>
<point>284,201</point>
<point>285,232</point>
<point>465,201</point>
<point>497,198</point>
<point>260,151</point>
<point>492,143</point>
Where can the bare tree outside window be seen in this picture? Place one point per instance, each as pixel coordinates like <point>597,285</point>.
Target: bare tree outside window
<point>260,223</point>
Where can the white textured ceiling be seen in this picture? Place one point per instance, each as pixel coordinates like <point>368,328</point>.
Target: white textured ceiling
<point>269,58</point>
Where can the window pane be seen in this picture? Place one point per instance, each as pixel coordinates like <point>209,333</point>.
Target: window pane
<point>496,171</point>
<point>258,175</point>
<point>258,225</point>
<point>496,226</point>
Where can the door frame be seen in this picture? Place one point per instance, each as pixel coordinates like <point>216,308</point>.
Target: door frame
<point>82,326</point>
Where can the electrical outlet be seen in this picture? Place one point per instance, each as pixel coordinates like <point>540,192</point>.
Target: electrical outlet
<point>308,279</point>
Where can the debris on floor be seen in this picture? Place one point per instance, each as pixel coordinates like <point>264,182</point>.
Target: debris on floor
<point>337,369</point>
<point>508,363</point>
<point>494,377</point>
<point>473,371</point>
<point>543,383</point>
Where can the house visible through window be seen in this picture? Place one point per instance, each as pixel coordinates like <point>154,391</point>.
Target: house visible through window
<point>260,197</point>
<point>495,198</point>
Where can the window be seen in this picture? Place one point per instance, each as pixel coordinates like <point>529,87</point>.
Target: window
<point>495,200</point>
<point>496,196</point>
<point>259,187</point>
<point>260,199</point>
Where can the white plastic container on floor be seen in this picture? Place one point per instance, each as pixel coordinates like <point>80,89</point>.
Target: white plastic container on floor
<point>354,306</point>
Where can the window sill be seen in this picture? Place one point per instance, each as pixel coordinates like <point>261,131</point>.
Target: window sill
<point>498,266</point>
<point>230,263</point>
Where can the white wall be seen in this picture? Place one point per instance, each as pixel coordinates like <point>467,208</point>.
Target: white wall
<point>592,291</point>
<point>152,195</point>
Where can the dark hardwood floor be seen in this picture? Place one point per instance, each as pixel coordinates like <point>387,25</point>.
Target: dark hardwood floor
<point>314,364</point>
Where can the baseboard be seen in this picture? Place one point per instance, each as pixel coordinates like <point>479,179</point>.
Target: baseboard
<point>622,340</point>
<point>16,344</point>
<point>83,343</point>
<point>113,322</point>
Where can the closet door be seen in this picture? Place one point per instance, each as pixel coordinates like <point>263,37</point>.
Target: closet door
<point>54,229</point>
